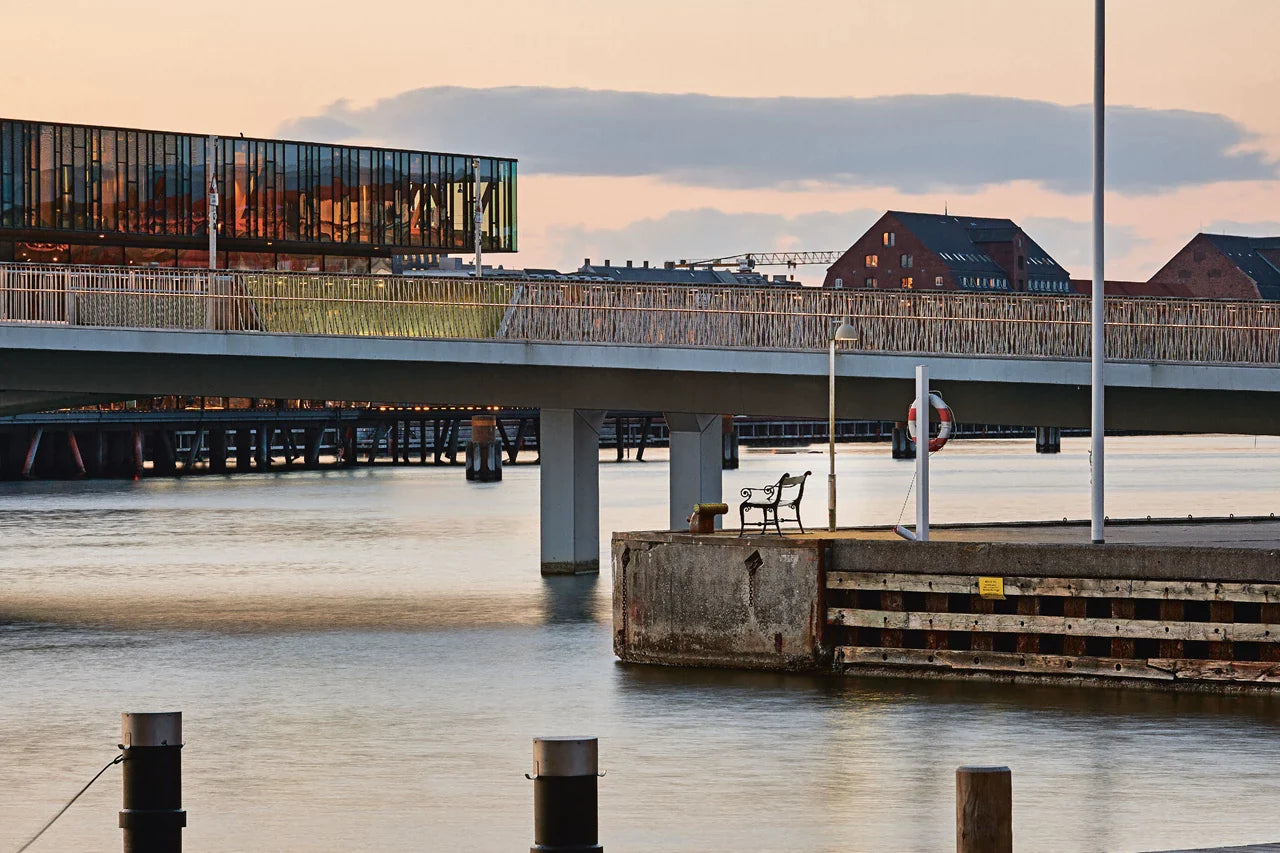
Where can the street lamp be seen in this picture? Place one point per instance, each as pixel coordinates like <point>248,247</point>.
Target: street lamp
<point>845,332</point>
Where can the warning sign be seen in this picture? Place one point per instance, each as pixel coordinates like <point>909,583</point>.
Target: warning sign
<point>991,587</point>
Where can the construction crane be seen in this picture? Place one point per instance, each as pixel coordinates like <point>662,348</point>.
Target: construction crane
<point>750,260</point>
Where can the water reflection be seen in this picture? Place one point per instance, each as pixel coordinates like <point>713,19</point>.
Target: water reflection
<point>573,599</point>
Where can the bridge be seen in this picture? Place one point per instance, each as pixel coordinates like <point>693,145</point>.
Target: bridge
<point>573,350</point>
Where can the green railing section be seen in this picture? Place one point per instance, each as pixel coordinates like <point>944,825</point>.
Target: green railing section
<point>363,305</point>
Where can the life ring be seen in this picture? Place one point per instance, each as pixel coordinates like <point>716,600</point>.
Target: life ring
<point>944,428</point>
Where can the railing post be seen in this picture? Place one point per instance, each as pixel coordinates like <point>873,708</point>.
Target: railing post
<point>152,817</point>
<point>984,810</point>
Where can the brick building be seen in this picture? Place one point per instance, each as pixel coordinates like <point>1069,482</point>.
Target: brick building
<point>924,251</point>
<point>1219,266</point>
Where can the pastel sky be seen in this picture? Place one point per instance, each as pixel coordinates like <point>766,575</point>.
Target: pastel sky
<point>689,128</point>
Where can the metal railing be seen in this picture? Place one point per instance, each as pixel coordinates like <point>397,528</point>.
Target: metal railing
<point>1138,329</point>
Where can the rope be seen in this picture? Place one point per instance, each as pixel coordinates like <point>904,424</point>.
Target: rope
<point>63,810</point>
<point>900,512</point>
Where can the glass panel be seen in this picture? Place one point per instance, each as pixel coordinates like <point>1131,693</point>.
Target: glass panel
<point>41,253</point>
<point>150,257</point>
<point>97,255</point>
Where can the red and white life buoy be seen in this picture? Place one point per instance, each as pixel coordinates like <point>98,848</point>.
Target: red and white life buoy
<point>944,428</point>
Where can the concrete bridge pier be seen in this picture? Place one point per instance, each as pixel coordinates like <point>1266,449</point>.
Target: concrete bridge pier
<point>569,445</point>
<point>697,448</point>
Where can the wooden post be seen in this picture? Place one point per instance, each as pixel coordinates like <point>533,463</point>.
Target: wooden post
<point>218,451</point>
<point>1270,616</point>
<point>1074,607</point>
<point>32,449</point>
<point>1171,611</point>
<point>936,602</point>
<point>984,810</point>
<point>76,458</point>
<point>1028,605</point>
<point>646,426</point>
<point>422,442</point>
<point>1223,612</point>
<point>981,641</point>
<point>1122,647</point>
<point>138,457</point>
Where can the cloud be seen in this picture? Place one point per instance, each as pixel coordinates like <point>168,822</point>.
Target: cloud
<point>1070,242</point>
<point>1243,229</point>
<point>913,143</point>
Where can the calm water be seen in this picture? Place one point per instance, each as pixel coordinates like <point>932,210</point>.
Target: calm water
<point>363,657</point>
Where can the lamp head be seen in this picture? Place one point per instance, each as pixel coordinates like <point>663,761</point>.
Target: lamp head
<point>846,332</point>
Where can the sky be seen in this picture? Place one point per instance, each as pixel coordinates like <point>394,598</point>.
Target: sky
<point>695,128</point>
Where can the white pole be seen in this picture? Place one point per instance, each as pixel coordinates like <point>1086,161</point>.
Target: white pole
<point>1098,319</point>
<point>831,430</point>
<point>479,205</point>
<point>212,201</point>
<point>922,453</point>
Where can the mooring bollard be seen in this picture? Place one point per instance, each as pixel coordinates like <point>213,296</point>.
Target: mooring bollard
<point>565,816</point>
<point>152,818</point>
<point>984,810</point>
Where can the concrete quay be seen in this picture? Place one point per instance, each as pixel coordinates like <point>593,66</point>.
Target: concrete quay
<point>1166,603</point>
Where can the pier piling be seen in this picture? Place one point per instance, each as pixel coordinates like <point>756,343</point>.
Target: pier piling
<point>984,810</point>
<point>152,817</point>
<point>565,795</point>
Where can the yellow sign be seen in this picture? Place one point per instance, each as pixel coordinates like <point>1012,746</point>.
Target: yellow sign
<point>991,587</point>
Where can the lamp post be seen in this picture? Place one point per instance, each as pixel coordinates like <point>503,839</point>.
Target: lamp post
<point>845,332</point>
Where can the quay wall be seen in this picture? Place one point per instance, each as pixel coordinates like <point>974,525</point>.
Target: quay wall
<point>721,602</point>
<point>1165,614</point>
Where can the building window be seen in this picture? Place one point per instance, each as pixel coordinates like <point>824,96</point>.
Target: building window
<point>1022,262</point>
<point>873,260</point>
<point>906,262</point>
<point>1198,255</point>
<point>839,282</point>
<point>890,239</point>
<point>871,282</point>
<point>937,281</point>
<point>907,282</point>
<point>1215,273</point>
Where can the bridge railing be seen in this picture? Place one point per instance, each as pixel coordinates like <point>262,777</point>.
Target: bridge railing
<point>1141,329</point>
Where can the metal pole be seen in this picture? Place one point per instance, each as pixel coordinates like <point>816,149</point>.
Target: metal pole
<point>1098,317</point>
<point>831,430</point>
<point>922,453</point>
<point>565,795</point>
<point>479,205</point>
<point>213,202</point>
<point>984,810</point>
<point>152,817</point>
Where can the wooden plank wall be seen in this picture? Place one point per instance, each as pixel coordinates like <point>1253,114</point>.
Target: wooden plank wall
<point>1160,631</point>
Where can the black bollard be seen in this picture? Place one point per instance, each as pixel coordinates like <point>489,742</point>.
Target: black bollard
<point>565,813</point>
<point>152,818</point>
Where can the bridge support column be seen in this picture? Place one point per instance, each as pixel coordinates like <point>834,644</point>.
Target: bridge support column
<point>730,430</point>
<point>1048,439</point>
<point>569,446</point>
<point>697,447</point>
<point>902,445</point>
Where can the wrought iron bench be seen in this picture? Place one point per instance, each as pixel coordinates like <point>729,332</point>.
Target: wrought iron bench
<point>784,494</point>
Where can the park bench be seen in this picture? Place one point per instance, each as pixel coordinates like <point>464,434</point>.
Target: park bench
<point>784,494</point>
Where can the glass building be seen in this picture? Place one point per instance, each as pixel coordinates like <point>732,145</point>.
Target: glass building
<point>104,195</point>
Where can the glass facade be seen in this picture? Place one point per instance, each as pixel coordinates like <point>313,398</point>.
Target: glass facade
<point>303,205</point>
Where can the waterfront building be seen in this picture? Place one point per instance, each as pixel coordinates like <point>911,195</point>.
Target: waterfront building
<point>924,251</point>
<point>1222,266</point>
<point>106,195</point>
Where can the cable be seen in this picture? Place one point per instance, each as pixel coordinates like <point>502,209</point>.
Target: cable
<point>900,512</point>
<point>63,810</point>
